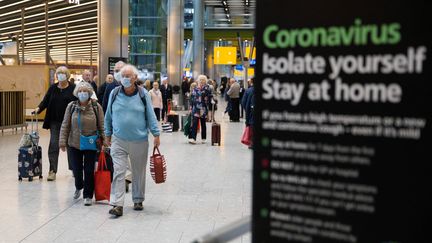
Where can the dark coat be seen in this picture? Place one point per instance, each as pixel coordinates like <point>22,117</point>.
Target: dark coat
<point>55,111</point>
<point>166,93</point>
<point>248,103</point>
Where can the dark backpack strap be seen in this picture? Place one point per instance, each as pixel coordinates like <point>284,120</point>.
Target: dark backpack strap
<point>96,111</point>
<point>114,92</point>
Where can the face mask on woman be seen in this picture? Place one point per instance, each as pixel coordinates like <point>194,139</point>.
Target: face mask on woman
<point>126,82</point>
<point>83,96</point>
<point>61,77</point>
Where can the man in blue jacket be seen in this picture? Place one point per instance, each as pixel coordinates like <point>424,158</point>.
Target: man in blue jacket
<point>117,79</point>
<point>128,120</point>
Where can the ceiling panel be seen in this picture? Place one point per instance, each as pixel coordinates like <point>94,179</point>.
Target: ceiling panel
<point>81,21</point>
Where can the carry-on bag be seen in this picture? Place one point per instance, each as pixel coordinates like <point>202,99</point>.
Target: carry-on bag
<point>183,120</point>
<point>158,166</point>
<point>247,136</point>
<point>102,180</point>
<point>216,133</point>
<point>174,120</point>
<point>30,154</point>
<point>187,125</point>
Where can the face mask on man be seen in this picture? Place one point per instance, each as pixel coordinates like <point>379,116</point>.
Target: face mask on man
<point>117,76</point>
<point>61,77</point>
<point>126,82</point>
<point>83,96</point>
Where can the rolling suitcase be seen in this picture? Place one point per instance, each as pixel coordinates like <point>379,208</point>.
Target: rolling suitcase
<point>174,119</point>
<point>30,157</point>
<point>216,133</point>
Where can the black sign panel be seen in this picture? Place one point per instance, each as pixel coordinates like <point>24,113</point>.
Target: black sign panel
<point>343,116</point>
<point>112,61</point>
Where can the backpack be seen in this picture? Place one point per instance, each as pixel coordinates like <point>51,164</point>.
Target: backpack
<point>141,93</point>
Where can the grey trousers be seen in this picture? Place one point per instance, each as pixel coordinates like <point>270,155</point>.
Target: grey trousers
<point>54,149</point>
<point>137,152</point>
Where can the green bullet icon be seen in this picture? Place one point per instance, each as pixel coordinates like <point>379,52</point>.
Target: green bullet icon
<point>264,213</point>
<point>264,175</point>
<point>265,142</point>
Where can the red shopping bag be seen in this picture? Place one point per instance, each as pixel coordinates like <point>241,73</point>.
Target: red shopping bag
<point>158,166</point>
<point>102,177</point>
<point>247,136</point>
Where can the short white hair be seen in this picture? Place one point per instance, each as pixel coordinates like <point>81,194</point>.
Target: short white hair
<point>130,67</point>
<point>83,85</point>
<point>202,79</point>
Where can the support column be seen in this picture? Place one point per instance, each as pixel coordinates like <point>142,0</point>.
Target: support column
<point>47,54</point>
<point>67,45</point>
<point>209,70</point>
<point>22,37</point>
<point>175,48</point>
<point>113,28</point>
<point>198,38</point>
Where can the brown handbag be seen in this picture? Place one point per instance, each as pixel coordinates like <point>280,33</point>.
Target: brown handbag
<point>158,166</point>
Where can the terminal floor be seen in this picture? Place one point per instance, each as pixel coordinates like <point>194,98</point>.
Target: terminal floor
<point>207,187</point>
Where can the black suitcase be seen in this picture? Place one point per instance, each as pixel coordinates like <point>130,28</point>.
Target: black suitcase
<point>30,157</point>
<point>174,119</point>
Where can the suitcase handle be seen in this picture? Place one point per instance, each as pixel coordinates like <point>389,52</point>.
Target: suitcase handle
<point>33,120</point>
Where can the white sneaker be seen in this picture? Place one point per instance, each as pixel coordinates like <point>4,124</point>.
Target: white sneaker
<point>192,141</point>
<point>203,141</point>
<point>77,194</point>
<point>87,202</point>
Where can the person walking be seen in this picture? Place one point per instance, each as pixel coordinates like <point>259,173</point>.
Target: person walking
<point>87,76</point>
<point>185,87</point>
<point>117,78</point>
<point>248,103</point>
<point>55,101</point>
<point>83,118</point>
<point>156,98</point>
<point>166,90</point>
<point>101,91</point>
<point>234,95</point>
<point>200,98</point>
<point>128,120</point>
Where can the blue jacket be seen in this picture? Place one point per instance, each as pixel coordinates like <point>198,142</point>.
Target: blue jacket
<point>106,95</point>
<point>248,103</point>
<point>128,118</point>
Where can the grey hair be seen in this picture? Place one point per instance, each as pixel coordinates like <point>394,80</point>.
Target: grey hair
<point>202,79</point>
<point>87,86</point>
<point>130,67</point>
<point>63,69</point>
<point>120,63</point>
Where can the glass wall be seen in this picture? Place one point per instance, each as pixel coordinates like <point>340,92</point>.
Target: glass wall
<point>148,35</point>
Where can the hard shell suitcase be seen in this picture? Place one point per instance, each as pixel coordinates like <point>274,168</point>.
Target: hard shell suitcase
<point>174,119</point>
<point>30,157</point>
<point>216,133</point>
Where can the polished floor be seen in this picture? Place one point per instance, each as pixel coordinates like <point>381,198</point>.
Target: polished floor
<point>207,187</point>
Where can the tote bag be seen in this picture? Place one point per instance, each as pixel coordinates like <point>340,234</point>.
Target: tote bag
<point>102,177</point>
<point>158,166</point>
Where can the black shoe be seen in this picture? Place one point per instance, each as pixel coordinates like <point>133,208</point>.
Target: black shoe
<point>116,211</point>
<point>138,206</point>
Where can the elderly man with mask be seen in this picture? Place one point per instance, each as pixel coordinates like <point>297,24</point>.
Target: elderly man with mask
<point>87,76</point>
<point>117,79</point>
<point>128,120</point>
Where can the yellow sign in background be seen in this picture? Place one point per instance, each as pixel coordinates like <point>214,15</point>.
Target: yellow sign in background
<point>225,55</point>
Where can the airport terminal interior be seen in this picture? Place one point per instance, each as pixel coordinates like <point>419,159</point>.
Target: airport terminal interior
<point>197,48</point>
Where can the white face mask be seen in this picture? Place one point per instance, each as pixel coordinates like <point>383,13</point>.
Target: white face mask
<point>61,77</point>
<point>117,76</point>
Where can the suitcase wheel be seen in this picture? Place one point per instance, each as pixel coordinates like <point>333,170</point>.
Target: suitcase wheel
<point>40,177</point>
<point>31,178</point>
<point>20,178</point>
